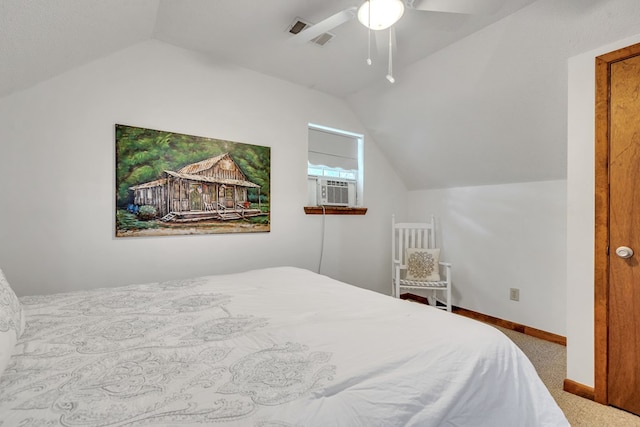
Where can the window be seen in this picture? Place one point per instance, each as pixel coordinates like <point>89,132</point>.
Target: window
<point>335,159</point>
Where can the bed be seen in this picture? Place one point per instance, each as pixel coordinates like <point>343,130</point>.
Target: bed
<point>278,347</point>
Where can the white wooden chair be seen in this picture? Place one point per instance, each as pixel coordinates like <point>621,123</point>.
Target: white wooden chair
<point>416,265</point>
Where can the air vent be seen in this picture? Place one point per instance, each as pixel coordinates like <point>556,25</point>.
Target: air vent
<point>299,25</point>
<point>322,39</point>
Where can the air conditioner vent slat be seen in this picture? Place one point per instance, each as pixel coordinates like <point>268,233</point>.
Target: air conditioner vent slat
<point>336,192</point>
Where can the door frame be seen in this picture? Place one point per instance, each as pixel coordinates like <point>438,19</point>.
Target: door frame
<point>601,233</point>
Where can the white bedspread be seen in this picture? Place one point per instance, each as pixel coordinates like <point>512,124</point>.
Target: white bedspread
<point>278,347</point>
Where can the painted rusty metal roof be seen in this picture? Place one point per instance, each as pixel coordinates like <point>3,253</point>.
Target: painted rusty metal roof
<point>202,165</point>
<point>189,171</point>
<point>211,179</point>
<point>150,184</point>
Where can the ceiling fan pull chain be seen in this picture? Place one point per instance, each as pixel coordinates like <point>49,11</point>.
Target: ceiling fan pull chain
<point>390,73</point>
<point>369,28</point>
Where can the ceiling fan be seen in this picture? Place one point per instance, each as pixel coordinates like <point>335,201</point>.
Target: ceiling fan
<point>378,15</point>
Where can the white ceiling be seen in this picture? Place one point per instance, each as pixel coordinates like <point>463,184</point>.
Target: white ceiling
<point>254,34</point>
<point>497,116</point>
<point>42,38</point>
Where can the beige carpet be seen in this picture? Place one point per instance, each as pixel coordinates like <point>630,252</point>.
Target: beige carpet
<point>550,361</point>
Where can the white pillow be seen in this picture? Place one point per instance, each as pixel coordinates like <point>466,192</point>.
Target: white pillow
<point>422,265</point>
<point>11,321</point>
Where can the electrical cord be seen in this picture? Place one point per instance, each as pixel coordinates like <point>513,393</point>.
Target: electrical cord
<point>322,240</point>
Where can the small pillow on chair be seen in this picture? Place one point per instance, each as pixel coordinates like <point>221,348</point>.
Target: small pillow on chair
<point>422,265</point>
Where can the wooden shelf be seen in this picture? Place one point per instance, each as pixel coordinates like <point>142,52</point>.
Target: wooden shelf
<point>334,210</point>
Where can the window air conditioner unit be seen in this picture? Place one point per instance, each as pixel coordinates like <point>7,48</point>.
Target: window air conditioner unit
<point>336,192</point>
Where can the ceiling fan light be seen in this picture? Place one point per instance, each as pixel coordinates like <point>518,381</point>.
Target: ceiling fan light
<point>384,13</point>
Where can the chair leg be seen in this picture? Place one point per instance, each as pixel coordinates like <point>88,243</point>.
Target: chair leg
<point>433,300</point>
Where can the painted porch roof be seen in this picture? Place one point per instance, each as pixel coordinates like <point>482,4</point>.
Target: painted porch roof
<point>200,178</point>
<point>150,184</point>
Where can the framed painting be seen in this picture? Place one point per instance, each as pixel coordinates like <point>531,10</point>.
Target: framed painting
<point>174,184</point>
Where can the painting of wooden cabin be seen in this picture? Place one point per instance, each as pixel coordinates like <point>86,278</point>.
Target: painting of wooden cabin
<point>213,188</point>
<point>169,183</point>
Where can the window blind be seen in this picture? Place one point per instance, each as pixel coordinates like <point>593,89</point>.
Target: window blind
<point>333,150</point>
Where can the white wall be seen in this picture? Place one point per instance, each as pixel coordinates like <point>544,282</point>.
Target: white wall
<point>491,108</point>
<point>57,173</point>
<point>505,89</point>
<point>580,212</point>
<point>499,237</point>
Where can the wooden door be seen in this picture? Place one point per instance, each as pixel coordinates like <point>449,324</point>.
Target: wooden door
<point>195,197</point>
<point>623,311</point>
<point>228,195</point>
<point>618,226</point>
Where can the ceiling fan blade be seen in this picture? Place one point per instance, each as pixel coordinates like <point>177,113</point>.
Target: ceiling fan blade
<point>328,24</point>
<point>472,7</point>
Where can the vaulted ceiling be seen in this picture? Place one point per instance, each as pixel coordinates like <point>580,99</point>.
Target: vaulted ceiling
<point>496,113</point>
<point>42,38</point>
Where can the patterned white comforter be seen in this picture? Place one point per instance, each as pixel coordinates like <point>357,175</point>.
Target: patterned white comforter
<point>278,347</point>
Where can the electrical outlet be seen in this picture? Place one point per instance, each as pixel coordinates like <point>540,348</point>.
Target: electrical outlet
<point>514,294</point>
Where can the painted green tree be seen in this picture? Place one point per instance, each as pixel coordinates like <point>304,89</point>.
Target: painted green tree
<point>143,154</point>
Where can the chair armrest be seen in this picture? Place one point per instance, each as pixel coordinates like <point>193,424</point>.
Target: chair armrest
<point>447,271</point>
